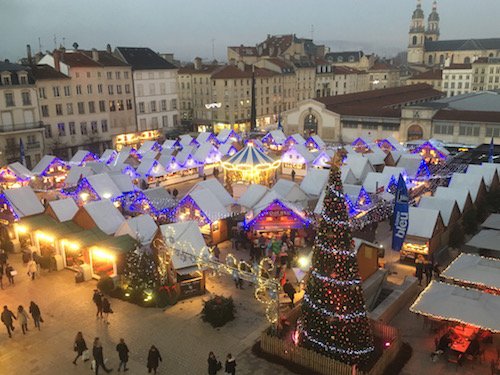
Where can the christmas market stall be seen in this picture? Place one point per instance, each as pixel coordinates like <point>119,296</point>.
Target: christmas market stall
<point>108,156</point>
<point>149,146</point>
<point>14,175</point>
<point>362,146</point>
<point>449,211</point>
<point>274,140</point>
<point>389,144</point>
<point>486,243</point>
<point>297,158</point>
<point>432,152</point>
<point>378,183</point>
<point>415,167</point>
<point>228,135</point>
<point>152,172</point>
<point>490,175</point>
<point>75,174</point>
<point>423,237</point>
<point>101,214</point>
<point>142,228</point>
<point>359,165</point>
<point>473,182</point>
<point>252,196</point>
<point>323,158</point>
<point>208,157</point>
<point>125,184</point>
<point>460,194</point>
<point>314,142</point>
<point>314,182</point>
<point>290,192</point>
<point>50,173</point>
<point>184,246</point>
<point>249,166</point>
<point>228,149</point>
<point>186,140</point>
<point>81,157</point>
<point>127,155</point>
<point>107,257</point>
<point>207,137</point>
<point>155,201</point>
<point>18,203</point>
<point>95,187</point>
<point>474,271</point>
<point>169,144</point>
<point>295,139</point>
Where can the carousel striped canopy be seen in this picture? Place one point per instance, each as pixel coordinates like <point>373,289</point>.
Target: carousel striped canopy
<point>250,156</point>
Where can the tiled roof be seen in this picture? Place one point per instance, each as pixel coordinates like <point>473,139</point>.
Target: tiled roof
<point>339,69</point>
<point>78,59</point>
<point>107,59</point>
<point>14,68</point>
<point>434,74</point>
<point>41,72</point>
<point>462,45</point>
<point>380,103</point>
<point>275,45</point>
<point>205,69</point>
<point>458,66</point>
<point>472,116</point>
<point>232,71</point>
<point>344,57</point>
<point>382,65</point>
<point>245,50</point>
<point>10,67</point>
<point>143,58</point>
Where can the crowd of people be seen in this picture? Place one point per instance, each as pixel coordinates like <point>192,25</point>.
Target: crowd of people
<point>22,316</point>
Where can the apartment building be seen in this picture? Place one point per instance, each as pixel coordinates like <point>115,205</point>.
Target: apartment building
<point>486,74</point>
<point>92,110</point>
<point>21,132</point>
<point>457,79</point>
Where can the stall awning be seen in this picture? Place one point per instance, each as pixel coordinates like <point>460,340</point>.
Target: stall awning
<point>458,304</point>
<point>88,237</point>
<point>121,244</point>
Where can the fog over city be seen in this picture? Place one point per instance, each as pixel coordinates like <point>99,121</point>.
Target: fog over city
<point>191,28</point>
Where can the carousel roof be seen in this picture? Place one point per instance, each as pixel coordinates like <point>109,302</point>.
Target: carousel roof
<point>250,155</point>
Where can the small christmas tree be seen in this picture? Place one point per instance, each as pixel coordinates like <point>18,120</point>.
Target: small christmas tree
<point>334,320</point>
<point>141,271</point>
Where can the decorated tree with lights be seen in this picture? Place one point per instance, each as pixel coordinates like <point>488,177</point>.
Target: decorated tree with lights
<point>141,271</point>
<point>334,319</point>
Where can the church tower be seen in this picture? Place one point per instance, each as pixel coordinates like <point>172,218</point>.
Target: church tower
<point>432,32</point>
<point>416,36</point>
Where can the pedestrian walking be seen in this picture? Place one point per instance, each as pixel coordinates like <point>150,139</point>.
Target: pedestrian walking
<point>154,359</point>
<point>106,309</point>
<point>230,365</point>
<point>122,350</point>
<point>1,276</point>
<point>36,314</point>
<point>80,347</point>
<point>10,272</point>
<point>22,317</point>
<point>289,289</point>
<point>3,257</point>
<point>419,269</point>
<point>428,268</point>
<point>293,174</point>
<point>238,282</point>
<point>213,364</point>
<point>97,298</point>
<point>99,357</point>
<point>32,269</point>
<point>8,318</point>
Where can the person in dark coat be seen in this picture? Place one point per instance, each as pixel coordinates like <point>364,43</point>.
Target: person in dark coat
<point>290,291</point>
<point>79,346</point>
<point>293,174</point>
<point>122,350</point>
<point>428,268</point>
<point>106,309</point>
<point>213,365</point>
<point>419,269</point>
<point>97,298</point>
<point>230,365</point>
<point>9,271</point>
<point>7,319</point>
<point>1,276</point>
<point>154,359</point>
<point>99,356</point>
<point>35,314</point>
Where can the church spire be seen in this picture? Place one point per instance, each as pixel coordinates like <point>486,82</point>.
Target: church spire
<point>433,23</point>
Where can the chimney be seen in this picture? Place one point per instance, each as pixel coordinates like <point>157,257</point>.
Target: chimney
<point>197,63</point>
<point>108,48</point>
<point>95,54</point>
<point>28,52</point>
<point>241,65</point>
<point>57,60</point>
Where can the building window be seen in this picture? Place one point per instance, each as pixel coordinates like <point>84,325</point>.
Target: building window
<point>152,89</point>
<point>175,120</point>
<point>83,128</point>
<point>154,123</point>
<point>129,103</point>
<point>67,91</point>
<point>117,75</point>
<point>99,88</point>
<point>110,89</point>
<point>41,93</point>
<point>369,126</point>
<point>446,129</point>
<point>81,108</point>
<point>173,104</point>
<point>91,107</point>
<point>163,88</point>
<point>26,98</point>
<point>9,99</point>
<point>72,128</point>
<point>55,90</point>
<point>45,110</point>
<point>47,131</point>
<point>93,127</point>
<point>78,89</point>
<point>104,126</point>
<point>61,129</point>
<point>142,124</point>
<point>89,89</point>
<point>152,105</point>
<point>125,75</point>
<point>118,89</point>
<point>163,105</point>
<point>59,111</point>
<point>164,121</point>
<point>350,125</point>
<point>469,130</point>
<point>69,108</point>
<point>119,104</point>
<point>127,89</point>
<point>102,106</point>
<point>141,107</point>
<point>88,74</point>
<point>112,107</point>
<point>109,75</point>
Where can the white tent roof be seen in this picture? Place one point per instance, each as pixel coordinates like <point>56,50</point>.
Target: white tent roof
<point>20,170</point>
<point>169,144</point>
<point>377,157</point>
<point>422,222</point>
<point>107,155</point>
<point>297,152</point>
<point>141,228</point>
<point>252,195</point>
<point>207,151</point>
<point>151,154</point>
<point>317,139</point>
<point>474,269</point>
<point>147,146</point>
<point>217,189</point>
<point>151,167</point>
<point>298,139</point>
<point>203,137</point>
<point>488,239</point>
<point>486,172</point>
<point>471,181</point>
<point>460,195</point>
<point>105,215</point>
<point>43,164</point>
<point>374,180</point>
<point>394,171</point>
<point>458,304</point>
<point>225,148</point>
<point>122,156</point>
<point>347,175</point>
<point>74,175</point>
<point>185,140</point>
<point>24,201</point>
<point>396,155</point>
<point>319,204</point>
<point>289,191</point>
<point>492,222</point>
<point>104,186</point>
<point>445,206</point>
<point>269,198</point>
<point>352,191</point>
<point>314,181</point>
<point>209,204</point>
<point>187,242</point>
<point>65,209</point>
<point>97,167</point>
<point>225,134</point>
<point>323,157</point>
<point>278,136</point>
<point>359,165</point>
<point>79,156</point>
<point>123,182</point>
<point>183,155</point>
<point>159,198</point>
<point>410,163</point>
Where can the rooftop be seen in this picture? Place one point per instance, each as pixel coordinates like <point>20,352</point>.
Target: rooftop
<point>142,58</point>
<point>462,45</point>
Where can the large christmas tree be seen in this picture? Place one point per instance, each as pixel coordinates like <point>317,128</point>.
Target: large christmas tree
<point>334,320</point>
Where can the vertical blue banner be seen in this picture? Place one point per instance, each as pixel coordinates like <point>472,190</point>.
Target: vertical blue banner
<point>401,215</point>
<point>21,151</point>
<point>492,151</point>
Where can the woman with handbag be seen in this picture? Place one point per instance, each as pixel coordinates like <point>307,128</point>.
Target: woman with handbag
<point>80,347</point>
<point>36,314</point>
<point>99,357</point>
<point>106,309</point>
<point>22,317</point>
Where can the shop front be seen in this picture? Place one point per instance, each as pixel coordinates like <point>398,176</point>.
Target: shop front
<point>50,173</point>
<point>107,258</point>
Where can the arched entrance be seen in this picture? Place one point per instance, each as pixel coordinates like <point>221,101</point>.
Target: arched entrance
<point>310,125</point>
<point>415,132</point>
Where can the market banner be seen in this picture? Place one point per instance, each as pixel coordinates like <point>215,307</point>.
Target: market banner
<point>401,215</point>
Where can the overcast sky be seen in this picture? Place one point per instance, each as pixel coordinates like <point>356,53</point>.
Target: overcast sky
<point>187,27</point>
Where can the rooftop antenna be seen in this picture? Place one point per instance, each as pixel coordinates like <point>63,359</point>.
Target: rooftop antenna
<point>213,49</point>
<point>39,45</point>
<point>55,41</point>
<point>64,42</point>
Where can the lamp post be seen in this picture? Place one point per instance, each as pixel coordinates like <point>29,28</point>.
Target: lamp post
<point>213,106</point>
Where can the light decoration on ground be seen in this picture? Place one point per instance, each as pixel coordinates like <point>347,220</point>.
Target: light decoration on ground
<point>260,275</point>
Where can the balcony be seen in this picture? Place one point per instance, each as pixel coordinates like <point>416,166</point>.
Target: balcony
<point>21,127</point>
<point>33,145</point>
